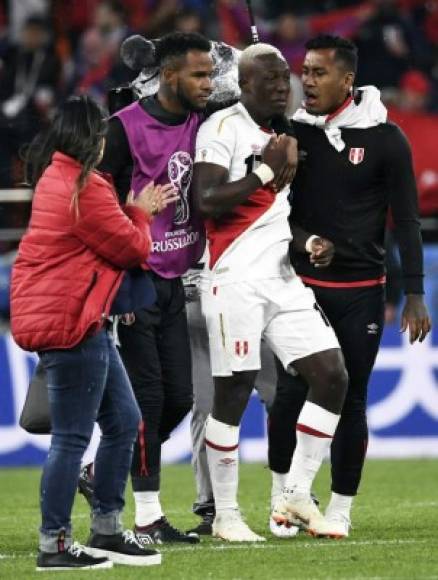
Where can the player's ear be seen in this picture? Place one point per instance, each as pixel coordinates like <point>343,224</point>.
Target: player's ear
<point>169,74</point>
<point>349,80</point>
<point>243,81</point>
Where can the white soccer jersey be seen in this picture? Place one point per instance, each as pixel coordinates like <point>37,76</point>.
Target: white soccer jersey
<point>251,241</point>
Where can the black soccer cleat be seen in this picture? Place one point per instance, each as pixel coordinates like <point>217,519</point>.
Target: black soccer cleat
<point>205,527</point>
<point>86,484</point>
<point>205,507</point>
<point>123,548</point>
<point>73,558</point>
<point>206,511</point>
<point>161,532</point>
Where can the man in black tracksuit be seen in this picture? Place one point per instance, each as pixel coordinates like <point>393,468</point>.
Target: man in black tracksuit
<point>353,167</point>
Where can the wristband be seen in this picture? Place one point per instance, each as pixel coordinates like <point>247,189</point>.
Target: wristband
<point>264,173</point>
<point>308,244</point>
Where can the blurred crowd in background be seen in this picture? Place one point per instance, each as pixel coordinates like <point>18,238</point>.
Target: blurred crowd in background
<point>50,49</point>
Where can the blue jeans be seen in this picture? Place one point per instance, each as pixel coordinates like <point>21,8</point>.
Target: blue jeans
<point>87,383</point>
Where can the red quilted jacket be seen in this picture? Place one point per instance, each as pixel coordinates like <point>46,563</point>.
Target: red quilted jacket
<point>69,268</point>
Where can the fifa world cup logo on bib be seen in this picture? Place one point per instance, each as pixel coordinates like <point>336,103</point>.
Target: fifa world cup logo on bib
<point>180,169</point>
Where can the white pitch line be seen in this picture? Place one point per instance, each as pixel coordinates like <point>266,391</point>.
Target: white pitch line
<point>290,544</point>
<point>223,547</point>
<point>378,577</point>
<point>418,504</point>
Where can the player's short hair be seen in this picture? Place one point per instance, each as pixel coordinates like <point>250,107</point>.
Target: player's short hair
<point>175,45</point>
<point>255,50</point>
<point>345,50</point>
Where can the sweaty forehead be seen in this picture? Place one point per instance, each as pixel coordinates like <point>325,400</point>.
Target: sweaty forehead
<point>197,59</point>
<point>269,62</point>
<point>321,58</point>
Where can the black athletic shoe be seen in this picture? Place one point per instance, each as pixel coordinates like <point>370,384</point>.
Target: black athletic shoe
<point>73,558</point>
<point>161,532</point>
<point>205,507</point>
<point>85,483</point>
<point>122,548</point>
<point>205,527</point>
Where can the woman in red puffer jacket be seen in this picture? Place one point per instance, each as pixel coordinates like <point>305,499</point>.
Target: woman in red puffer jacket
<point>70,265</point>
<point>71,260</point>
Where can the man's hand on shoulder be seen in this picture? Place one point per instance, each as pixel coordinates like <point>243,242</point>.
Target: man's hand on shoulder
<point>415,317</point>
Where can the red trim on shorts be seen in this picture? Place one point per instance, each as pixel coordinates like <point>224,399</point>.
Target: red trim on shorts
<point>220,447</point>
<point>142,445</point>
<point>314,432</point>
<point>356,284</point>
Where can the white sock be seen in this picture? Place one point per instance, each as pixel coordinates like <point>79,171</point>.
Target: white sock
<point>278,483</point>
<point>222,443</point>
<point>315,429</point>
<point>147,507</point>
<point>340,504</point>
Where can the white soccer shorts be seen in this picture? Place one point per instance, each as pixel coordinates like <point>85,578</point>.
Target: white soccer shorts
<point>281,311</point>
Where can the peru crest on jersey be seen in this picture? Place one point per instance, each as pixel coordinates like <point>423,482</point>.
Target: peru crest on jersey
<point>356,155</point>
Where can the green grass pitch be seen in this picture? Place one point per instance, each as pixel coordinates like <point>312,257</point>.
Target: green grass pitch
<point>395,531</point>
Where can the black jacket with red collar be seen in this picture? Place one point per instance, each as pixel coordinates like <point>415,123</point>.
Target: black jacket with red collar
<point>345,197</point>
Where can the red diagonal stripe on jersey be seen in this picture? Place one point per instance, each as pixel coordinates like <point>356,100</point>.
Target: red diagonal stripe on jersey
<point>310,431</point>
<point>223,231</point>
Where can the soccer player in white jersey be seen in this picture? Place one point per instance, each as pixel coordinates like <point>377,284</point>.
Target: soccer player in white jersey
<point>241,179</point>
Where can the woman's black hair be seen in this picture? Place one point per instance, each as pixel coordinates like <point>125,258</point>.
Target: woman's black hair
<point>77,131</point>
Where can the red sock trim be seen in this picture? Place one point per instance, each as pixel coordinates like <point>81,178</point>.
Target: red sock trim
<point>220,447</point>
<point>142,445</point>
<point>314,432</point>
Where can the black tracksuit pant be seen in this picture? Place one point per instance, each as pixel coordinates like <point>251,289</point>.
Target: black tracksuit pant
<point>357,317</point>
<point>156,353</point>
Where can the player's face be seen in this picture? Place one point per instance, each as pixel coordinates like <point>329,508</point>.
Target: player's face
<point>270,85</point>
<point>193,85</point>
<point>326,83</point>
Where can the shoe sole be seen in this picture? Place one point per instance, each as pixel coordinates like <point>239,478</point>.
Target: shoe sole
<point>124,559</point>
<point>283,520</point>
<point>108,564</point>
<point>192,542</point>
